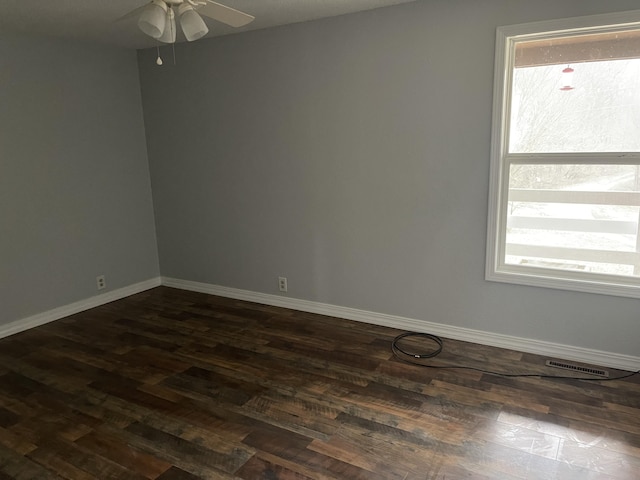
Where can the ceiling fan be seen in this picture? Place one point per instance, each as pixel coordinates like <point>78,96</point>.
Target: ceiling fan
<point>158,18</point>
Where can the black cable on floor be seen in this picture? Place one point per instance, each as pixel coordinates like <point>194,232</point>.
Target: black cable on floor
<point>408,357</point>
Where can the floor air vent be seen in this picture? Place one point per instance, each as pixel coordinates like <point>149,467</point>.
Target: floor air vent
<point>576,368</point>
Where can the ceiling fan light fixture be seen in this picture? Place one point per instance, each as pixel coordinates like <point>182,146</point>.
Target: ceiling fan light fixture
<point>169,34</point>
<point>192,24</point>
<point>153,19</point>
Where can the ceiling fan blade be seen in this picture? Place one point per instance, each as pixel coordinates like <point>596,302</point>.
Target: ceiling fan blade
<point>133,13</point>
<point>225,14</point>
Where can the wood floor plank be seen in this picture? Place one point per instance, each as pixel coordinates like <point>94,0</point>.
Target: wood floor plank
<point>109,445</point>
<point>184,454</point>
<point>53,461</point>
<point>89,461</point>
<point>293,448</point>
<point>175,473</point>
<point>260,467</point>
<point>15,442</point>
<point>20,467</point>
<point>177,385</point>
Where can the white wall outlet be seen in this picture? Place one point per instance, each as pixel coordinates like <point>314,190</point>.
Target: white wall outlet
<point>282,284</point>
<point>101,282</point>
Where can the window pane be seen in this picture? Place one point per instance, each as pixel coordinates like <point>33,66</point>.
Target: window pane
<point>577,94</point>
<point>574,217</point>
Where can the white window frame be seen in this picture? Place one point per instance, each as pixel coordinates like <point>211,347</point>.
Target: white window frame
<point>496,267</point>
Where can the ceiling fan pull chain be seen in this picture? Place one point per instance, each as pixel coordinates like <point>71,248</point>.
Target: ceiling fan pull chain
<point>159,60</point>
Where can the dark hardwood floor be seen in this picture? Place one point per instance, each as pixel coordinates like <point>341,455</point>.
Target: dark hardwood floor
<point>176,385</point>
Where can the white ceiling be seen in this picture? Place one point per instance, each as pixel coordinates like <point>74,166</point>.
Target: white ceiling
<point>97,20</point>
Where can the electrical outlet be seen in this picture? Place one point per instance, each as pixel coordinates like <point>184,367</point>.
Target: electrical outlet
<point>101,282</point>
<point>282,284</point>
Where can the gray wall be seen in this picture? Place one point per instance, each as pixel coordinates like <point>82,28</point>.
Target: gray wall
<point>75,196</point>
<point>351,155</point>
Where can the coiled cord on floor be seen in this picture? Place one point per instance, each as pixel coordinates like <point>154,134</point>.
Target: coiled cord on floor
<point>411,357</point>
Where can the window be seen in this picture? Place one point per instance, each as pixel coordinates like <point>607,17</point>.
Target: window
<point>564,209</point>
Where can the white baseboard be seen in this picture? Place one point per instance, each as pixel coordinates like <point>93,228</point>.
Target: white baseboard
<point>76,307</point>
<point>549,349</point>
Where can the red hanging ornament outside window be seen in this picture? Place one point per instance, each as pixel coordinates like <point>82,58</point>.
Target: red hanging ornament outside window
<point>567,79</point>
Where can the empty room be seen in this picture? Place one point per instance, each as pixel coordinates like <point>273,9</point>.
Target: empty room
<point>320,239</point>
